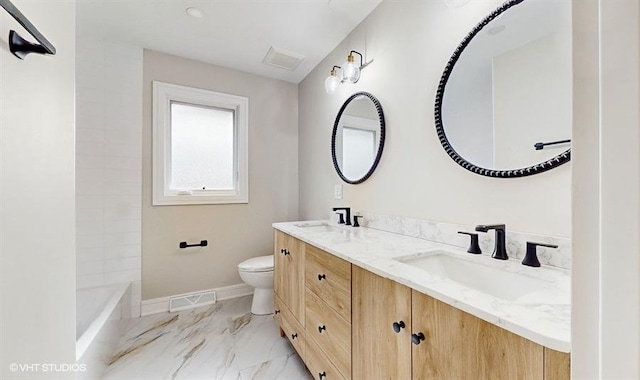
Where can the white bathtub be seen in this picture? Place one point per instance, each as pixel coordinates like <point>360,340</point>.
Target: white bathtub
<point>98,327</point>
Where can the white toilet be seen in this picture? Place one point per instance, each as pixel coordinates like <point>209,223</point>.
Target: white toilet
<point>258,272</point>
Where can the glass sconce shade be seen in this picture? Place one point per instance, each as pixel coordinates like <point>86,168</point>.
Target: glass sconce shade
<point>350,70</point>
<point>332,82</point>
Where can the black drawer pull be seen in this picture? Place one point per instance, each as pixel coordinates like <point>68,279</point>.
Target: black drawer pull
<point>417,338</point>
<point>322,277</point>
<point>321,328</point>
<point>322,374</point>
<point>294,336</point>
<point>277,311</point>
<point>285,252</point>
<point>397,326</point>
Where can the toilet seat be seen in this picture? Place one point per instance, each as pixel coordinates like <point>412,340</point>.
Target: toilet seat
<point>257,264</point>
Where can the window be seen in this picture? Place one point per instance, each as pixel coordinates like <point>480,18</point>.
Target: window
<point>199,146</point>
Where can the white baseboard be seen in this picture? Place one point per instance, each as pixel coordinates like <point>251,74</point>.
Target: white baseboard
<point>161,305</point>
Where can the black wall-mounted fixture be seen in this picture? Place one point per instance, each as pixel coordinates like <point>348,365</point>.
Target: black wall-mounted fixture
<point>541,145</point>
<point>349,72</point>
<point>18,45</point>
<point>203,243</point>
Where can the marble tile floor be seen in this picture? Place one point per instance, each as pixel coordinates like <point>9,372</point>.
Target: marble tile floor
<point>223,341</point>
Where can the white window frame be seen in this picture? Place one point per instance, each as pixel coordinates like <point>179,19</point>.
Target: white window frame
<point>163,95</point>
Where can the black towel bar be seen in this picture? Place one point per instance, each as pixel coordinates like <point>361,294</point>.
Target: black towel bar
<point>203,243</point>
<point>18,45</point>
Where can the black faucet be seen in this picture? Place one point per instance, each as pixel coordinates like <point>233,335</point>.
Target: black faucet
<point>347,212</point>
<point>500,251</point>
<point>531,258</point>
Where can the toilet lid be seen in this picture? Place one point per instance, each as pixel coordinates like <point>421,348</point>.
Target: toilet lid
<point>257,264</point>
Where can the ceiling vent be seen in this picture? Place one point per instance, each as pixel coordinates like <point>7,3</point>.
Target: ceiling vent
<point>282,59</point>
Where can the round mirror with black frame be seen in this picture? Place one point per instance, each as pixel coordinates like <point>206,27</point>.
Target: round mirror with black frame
<point>503,104</point>
<point>358,136</point>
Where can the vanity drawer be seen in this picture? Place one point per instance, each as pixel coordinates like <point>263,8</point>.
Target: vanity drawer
<point>330,331</point>
<point>319,365</point>
<point>292,329</point>
<point>329,277</point>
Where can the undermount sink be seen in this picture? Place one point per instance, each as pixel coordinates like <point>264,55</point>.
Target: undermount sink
<point>318,226</point>
<point>502,279</point>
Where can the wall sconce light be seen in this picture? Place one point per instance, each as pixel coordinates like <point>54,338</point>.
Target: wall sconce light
<point>350,72</point>
<point>333,80</point>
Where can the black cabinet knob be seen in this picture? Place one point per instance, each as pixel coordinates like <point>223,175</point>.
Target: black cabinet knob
<point>322,328</point>
<point>277,311</point>
<point>294,336</point>
<point>282,250</point>
<point>417,338</point>
<point>397,326</point>
<point>321,277</point>
<point>322,374</point>
<point>285,252</point>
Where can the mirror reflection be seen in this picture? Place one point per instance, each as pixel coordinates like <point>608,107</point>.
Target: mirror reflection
<point>358,137</point>
<point>512,89</point>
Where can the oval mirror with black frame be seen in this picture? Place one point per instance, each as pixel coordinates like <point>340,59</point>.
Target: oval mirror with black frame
<point>358,136</point>
<point>503,105</point>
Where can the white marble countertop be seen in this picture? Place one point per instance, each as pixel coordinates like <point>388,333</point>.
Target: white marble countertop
<point>543,317</point>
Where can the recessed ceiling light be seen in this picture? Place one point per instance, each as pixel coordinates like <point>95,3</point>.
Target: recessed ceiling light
<point>194,12</point>
<point>496,29</point>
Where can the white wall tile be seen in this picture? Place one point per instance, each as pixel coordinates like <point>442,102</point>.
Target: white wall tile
<point>122,276</point>
<point>89,241</point>
<point>89,187</point>
<point>122,150</point>
<point>108,163</point>
<point>90,267</point>
<point>89,162</point>
<point>89,136</point>
<point>123,188</point>
<point>93,227</point>
<point>127,263</point>
<point>120,226</point>
<point>89,254</point>
<point>117,239</point>
<point>89,201</point>
<point>122,213</point>
<point>90,281</point>
<point>122,251</point>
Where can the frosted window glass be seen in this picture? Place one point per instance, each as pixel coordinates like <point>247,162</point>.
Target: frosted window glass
<point>358,151</point>
<point>202,148</point>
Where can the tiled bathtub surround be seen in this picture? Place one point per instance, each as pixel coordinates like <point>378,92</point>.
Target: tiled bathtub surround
<point>448,234</point>
<point>108,164</point>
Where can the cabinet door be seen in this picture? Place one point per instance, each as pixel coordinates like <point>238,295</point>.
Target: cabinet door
<point>378,351</point>
<point>458,345</point>
<point>289,273</point>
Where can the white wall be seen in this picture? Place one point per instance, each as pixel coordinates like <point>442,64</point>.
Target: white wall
<point>235,232</point>
<point>606,188</point>
<point>37,228</point>
<point>411,43</point>
<point>532,100</point>
<point>108,163</point>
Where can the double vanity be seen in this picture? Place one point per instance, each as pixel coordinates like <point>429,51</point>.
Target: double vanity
<point>360,303</point>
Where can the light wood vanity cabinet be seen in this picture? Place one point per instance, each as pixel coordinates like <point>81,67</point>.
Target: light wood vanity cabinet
<point>348,323</point>
<point>328,313</point>
<point>378,351</point>
<point>288,279</point>
<point>313,304</point>
<point>456,345</point>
